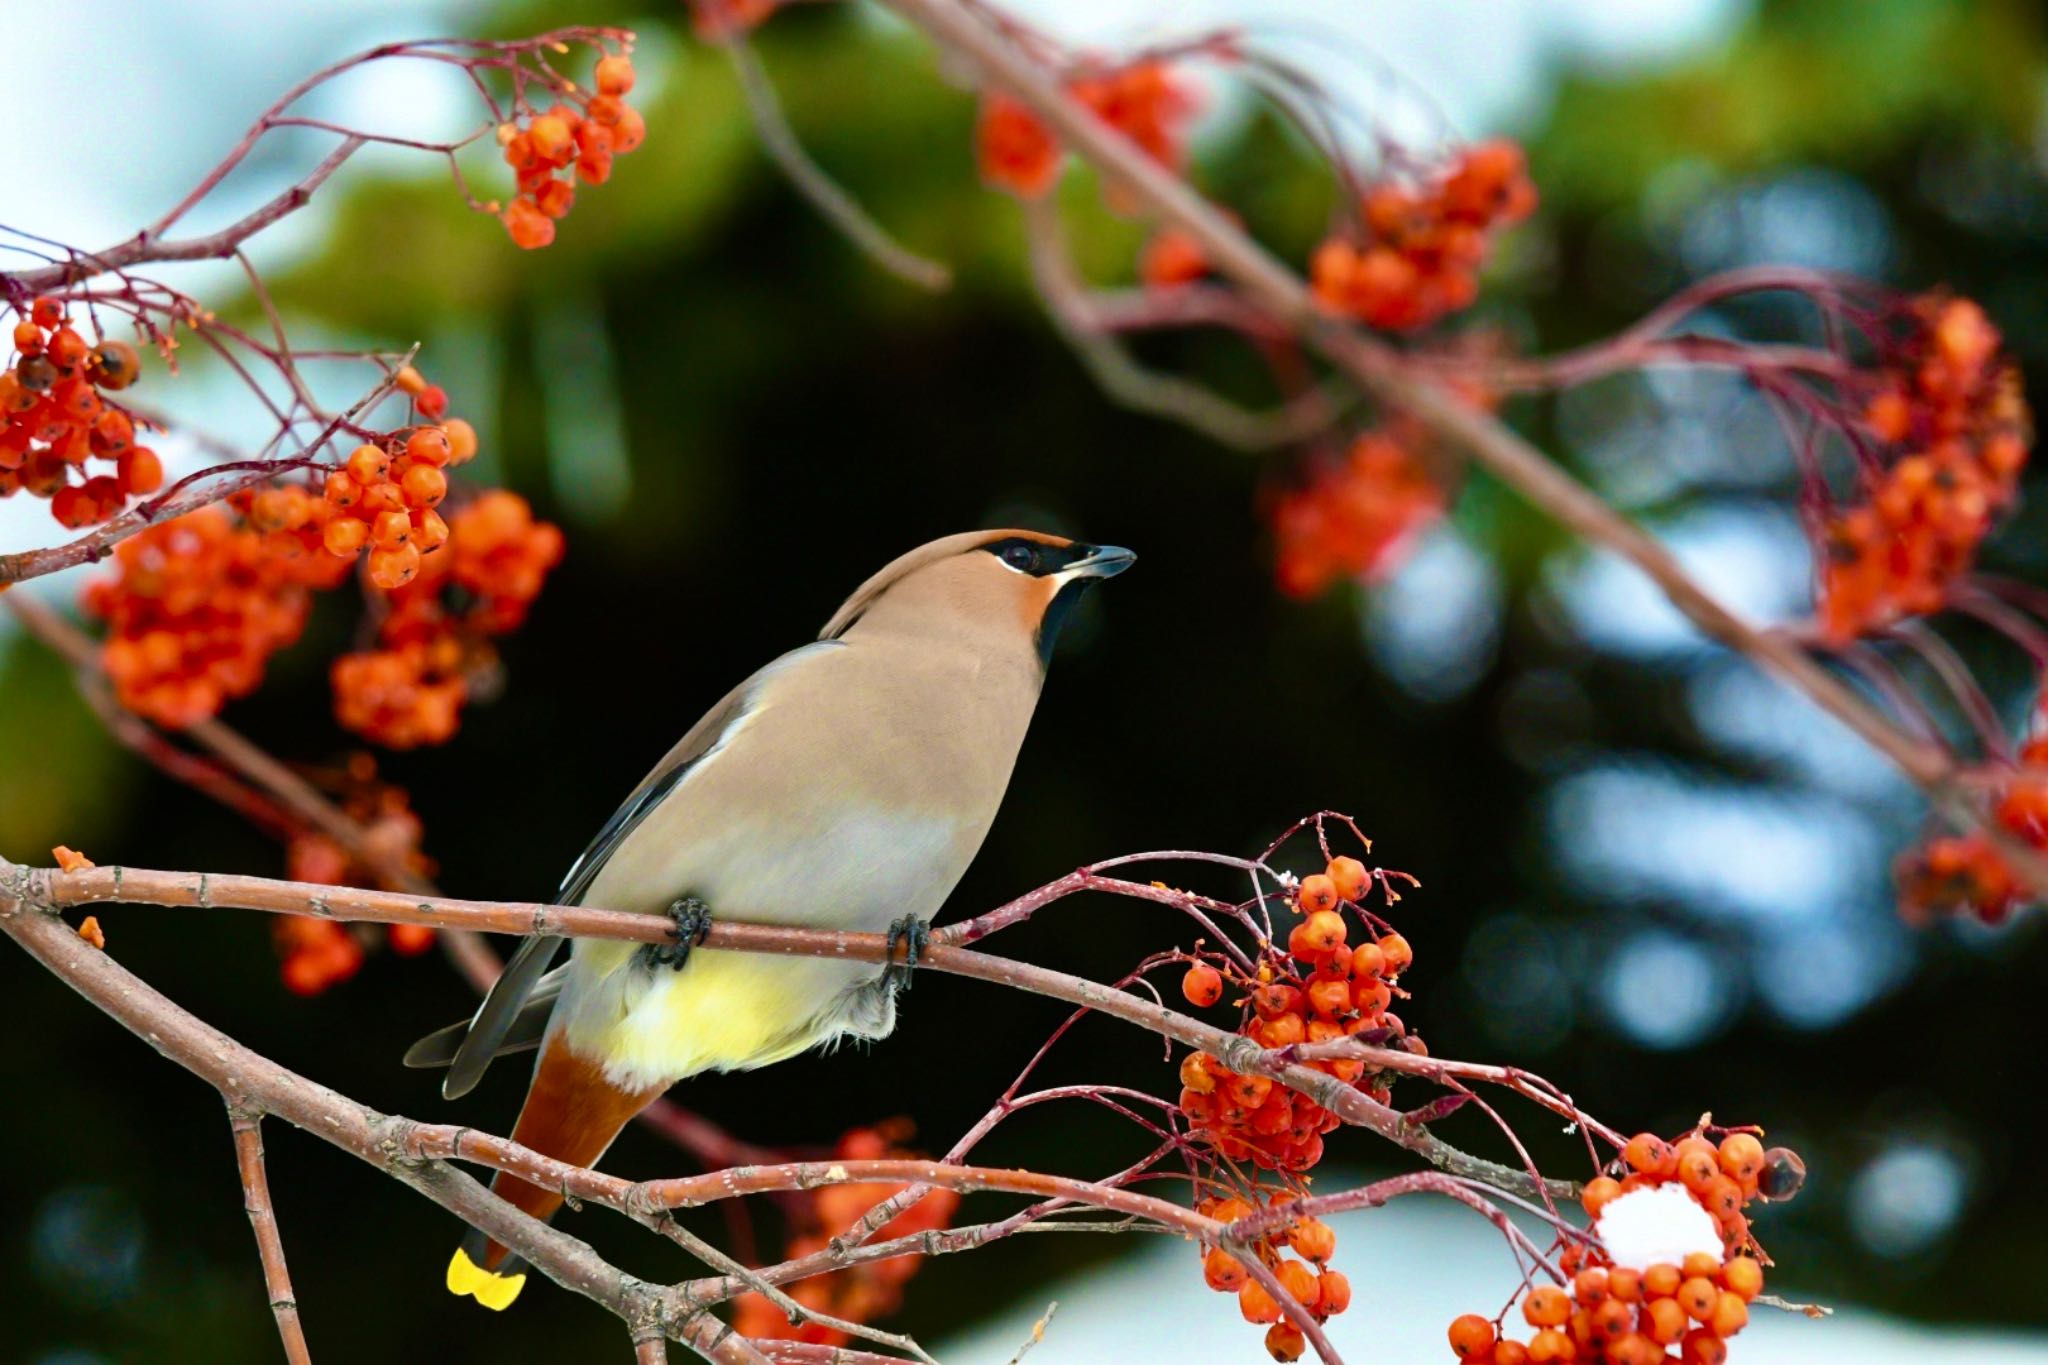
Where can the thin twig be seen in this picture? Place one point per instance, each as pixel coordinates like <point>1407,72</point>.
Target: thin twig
<point>269,1244</point>
<point>834,204</point>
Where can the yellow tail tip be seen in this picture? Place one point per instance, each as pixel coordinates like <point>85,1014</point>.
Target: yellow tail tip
<point>493,1291</point>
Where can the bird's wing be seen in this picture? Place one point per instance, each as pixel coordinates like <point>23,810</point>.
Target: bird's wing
<point>503,1007</point>
<point>529,1026</point>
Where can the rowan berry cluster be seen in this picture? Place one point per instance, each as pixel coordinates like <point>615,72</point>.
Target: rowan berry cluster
<point>383,500</point>
<point>1322,988</point>
<point>1637,1299</point>
<point>868,1290</point>
<point>1416,251</point>
<point>1355,517</point>
<point>1146,100</point>
<point>55,417</point>
<point>575,140</point>
<point>1949,414</point>
<point>320,953</point>
<point>1965,874</point>
<point>198,604</point>
<point>435,637</point>
<point>1308,1280</point>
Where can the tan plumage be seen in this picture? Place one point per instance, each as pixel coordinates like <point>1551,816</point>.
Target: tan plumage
<point>846,785</point>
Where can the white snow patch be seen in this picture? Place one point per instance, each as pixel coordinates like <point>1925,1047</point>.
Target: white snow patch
<point>1657,1226</point>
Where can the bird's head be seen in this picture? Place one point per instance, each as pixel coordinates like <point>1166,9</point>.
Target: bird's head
<point>1007,585</point>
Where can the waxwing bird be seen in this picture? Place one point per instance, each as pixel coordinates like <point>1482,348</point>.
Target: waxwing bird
<point>847,785</point>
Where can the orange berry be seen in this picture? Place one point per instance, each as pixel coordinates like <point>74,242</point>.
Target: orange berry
<point>1368,960</point>
<point>1324,929</point>
<point>1398,955</point>
<point>1312,1239</point>
<point>1283,1030</point>
<point>1742,1157</point>
<point>1625,1284</point>
<point>1223,1272</point>
<point>1284,1341</point>
<point>1661,1281</point>
<point>1506,1352</point>
<point>1550,1345</point>
<point>429,532</point>
<point>1330,998</point>
<point>409,940</point>
<point>1651,1155</point>
<point>530,229</point>
<point>65,348</point>
<point>1664,1320</point>
<point>46,312</point>
<point>424,486</point>
<point>1203,985</point>
<point>1316,893</point>
<point>1730,1315</point>
<point>1301,946</point>
<point>1589,1286</point>
<point>1698,1165</point>
<point>28,338</point>
<point>1697,1296</point>
<point>140,471</point>
<point>394,568</point>
<point>391,530</point>
<point>1743,1277</point>
<point>429,446</point>
<point>461,440</point>
<point>629,131</point>
<point>1546,1306</point>
<point>1722,1197</point>
<point>1472,1337</point>
<point>432,402</point>
<point>368,465</point>
<point>1256,1304</point>
<point>1606,1321</point>
<point>555,198</point>
<point>1299,1282</point>
<point>344,537</point>
<point>1333,1290</point>
<point>1350,878</point>
<point>552,139</point>
<point>409,380</point>
<point>1700,1265</point>
<point>613,75</point>
<point>1704,1348</point>
<point>341,490</point>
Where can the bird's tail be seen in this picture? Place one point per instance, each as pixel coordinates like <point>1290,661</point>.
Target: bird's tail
<point>572,1113</point>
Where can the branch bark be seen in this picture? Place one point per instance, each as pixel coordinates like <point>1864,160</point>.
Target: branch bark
<point>248,1131</point>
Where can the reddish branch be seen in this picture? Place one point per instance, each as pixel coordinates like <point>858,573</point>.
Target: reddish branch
<point>277,1279</point>
<point>202,890</point>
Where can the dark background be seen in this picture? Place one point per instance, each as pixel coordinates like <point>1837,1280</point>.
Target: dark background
<point>793,419</point>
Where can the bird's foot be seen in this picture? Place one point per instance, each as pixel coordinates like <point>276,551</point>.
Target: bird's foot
<point>915,936</point>
<point>692,918</point>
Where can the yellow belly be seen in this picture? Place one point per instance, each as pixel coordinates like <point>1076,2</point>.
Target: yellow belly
<point>722,1012</point>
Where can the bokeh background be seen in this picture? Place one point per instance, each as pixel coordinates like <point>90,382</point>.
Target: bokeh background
<point>1646,870</point>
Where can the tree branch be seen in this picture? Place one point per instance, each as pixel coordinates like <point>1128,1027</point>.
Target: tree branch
<point>269,1244</point>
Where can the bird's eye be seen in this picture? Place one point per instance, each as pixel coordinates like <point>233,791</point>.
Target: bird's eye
<point>1022,558</point>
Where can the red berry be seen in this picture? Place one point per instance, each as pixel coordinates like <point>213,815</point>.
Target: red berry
<point>1203,985</point>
